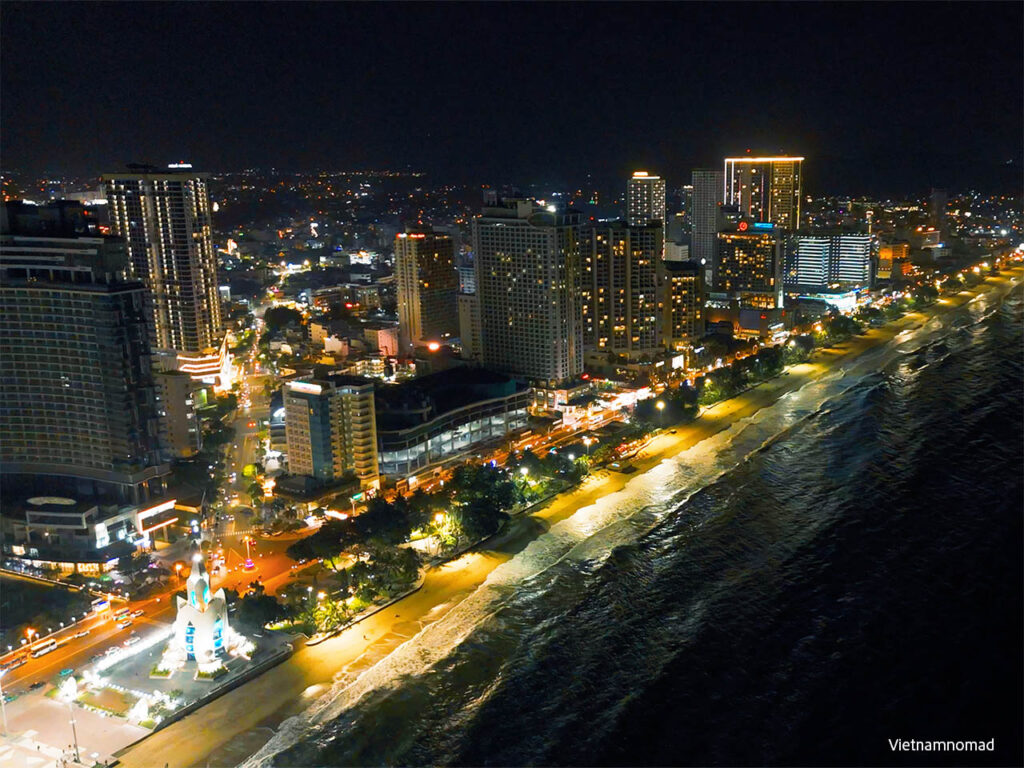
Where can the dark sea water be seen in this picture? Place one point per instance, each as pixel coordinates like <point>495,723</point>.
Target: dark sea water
<point>843,569</point>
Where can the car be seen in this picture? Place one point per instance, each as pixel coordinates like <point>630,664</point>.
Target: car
<point>110,651</point>
<point>16,664</point>
<point>137,613</point>
<point>95,657</point>
<point>36,685</point>
<point>66,671</point>
<point>83,633</point>
<point>125,623</point>
<point>131,641</point>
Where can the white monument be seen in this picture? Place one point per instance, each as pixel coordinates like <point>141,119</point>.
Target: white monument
<point>201,627</point>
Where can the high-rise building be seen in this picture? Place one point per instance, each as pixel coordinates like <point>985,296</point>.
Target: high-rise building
<point>766,189</point>
<point>180,430</point>
<point>822,260</point>
<point>164,218</point>
<point>645,198</point>
<point>77,397</point>
<point>427,286</point>
<point>750,265</point>
<point>469,326</point>
<point>331,429</point>
<point>682,304</point>
<point>890,255</point>
<point>527,280</point>
<point>619,287</point>
<point>707,199</point>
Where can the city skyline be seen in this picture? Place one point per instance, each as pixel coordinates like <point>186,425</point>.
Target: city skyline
<point>644,389</point>
<point>873,115</point>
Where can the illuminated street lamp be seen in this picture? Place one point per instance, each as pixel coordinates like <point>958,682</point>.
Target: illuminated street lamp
<point>69,692</point>
<point>587,441</point>
<point>660,405</point>
<point>524,471</point>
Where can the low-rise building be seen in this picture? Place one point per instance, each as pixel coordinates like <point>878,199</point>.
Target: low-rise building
<point>427,422</point>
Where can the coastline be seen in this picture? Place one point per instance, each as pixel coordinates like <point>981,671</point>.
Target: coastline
<point>231,728</point>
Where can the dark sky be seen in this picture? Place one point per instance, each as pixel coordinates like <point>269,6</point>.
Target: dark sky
<point>881,98</point>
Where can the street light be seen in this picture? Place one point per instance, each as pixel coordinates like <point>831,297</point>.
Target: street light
<point>660,405</point>
<point>69,692</point>
<point>524,471</point>
<point>587,441</point>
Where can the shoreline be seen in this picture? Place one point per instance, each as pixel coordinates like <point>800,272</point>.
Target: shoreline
<point>230,729</point>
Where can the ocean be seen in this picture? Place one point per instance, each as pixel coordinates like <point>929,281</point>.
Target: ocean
<point>841,569</point>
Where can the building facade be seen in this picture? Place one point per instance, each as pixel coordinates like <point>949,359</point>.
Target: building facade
<point>77,396</point>
<point>330,429</point>
<point>890,257</point>
<point>619,287</point>
<point>707,199</point>
<point>749,267</point>
<point>469,326</point>
<point>180,429</point>
<point>766,189</point>
<point>164,218</point>
<point>528,280</point>
<point>430,421</point>
<point>681,304</point>
<point>820,261</point>
<point>645,199</point>
<point>427,284</point>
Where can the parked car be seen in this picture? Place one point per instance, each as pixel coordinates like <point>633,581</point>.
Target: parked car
<point>131,641</point>
<point>36,685</point>
<point>66,671</point>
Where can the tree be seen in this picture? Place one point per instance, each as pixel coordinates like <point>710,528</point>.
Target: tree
<point>259,610</point>
<point>276,318</point>
<point>131,565</point>
<point>798,349</point>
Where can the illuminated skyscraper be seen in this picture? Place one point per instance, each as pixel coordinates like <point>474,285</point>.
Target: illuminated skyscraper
<point>766,189</point>
<point>682,304</point>
<point>164,218</point>
<point>428,284</point>
<point>707,199</point>
<point>619,286</point>
<point>528,282</point>
<point>750,265</point>
<point>818,261</point>
<point>77,396</point>
<point>645,197</point>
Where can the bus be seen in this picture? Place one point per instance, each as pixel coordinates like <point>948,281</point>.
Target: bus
<point>44,648</point>
<point>100,604</point>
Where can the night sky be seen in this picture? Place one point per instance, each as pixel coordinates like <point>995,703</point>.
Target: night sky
<point>883,99</point>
